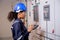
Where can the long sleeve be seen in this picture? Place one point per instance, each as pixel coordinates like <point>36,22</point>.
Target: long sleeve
<point>17,30</point>
<point>25,33</point>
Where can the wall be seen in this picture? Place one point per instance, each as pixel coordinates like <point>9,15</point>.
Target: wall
<point>34,34</point>
<point>53,24</point>
<point>57,18</point>
<point>50,27</point>
<point>5,25</point>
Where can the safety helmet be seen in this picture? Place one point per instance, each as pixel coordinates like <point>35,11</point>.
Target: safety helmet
<point>19,7</point>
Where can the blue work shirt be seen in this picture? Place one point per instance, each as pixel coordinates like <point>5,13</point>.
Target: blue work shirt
<point>19,31</point>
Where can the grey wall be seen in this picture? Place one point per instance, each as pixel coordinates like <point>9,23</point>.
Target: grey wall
<point>5,7</point>
<point>5,25</point>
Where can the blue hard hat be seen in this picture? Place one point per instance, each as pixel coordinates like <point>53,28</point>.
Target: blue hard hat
<point>19,7</point>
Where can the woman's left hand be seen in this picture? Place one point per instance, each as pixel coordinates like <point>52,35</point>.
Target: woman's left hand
<point>30,28</point>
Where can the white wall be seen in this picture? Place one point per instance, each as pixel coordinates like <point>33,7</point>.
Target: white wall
<point>29,11</point>
<point>57,18</point>
<point>54,22</point>
<point>50,24</point>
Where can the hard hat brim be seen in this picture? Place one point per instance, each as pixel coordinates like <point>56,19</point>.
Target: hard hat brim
<point>18,11</point>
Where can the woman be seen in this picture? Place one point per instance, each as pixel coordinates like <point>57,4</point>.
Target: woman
<point>19,31</point>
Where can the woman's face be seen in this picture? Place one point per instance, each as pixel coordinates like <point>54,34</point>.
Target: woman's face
<point>21,15</point>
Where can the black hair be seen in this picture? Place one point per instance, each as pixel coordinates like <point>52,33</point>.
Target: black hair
<point>12,15</point>
<point>22,11</point>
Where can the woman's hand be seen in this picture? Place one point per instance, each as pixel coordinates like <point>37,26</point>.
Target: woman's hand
<point>30,28</point>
